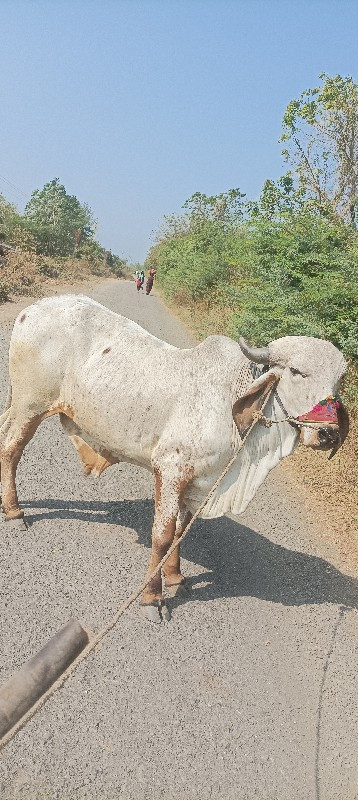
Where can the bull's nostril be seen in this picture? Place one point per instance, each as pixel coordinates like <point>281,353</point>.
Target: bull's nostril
<point>328,436</point>
<point>323,436</point>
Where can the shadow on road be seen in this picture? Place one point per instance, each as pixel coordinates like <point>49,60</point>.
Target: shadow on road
<point>239,561</point>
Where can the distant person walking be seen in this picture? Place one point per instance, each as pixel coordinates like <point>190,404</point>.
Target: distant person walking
<point>139,279</point>
<point>150,280</point>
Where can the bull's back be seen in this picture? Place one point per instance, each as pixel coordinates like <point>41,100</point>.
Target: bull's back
<point>67,331</point>
<point>82,320</point>
<point>113,377</point>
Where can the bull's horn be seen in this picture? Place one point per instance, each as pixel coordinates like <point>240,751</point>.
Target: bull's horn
<point>260,355</point>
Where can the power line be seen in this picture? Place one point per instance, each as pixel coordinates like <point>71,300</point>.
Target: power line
<point>13,187</point>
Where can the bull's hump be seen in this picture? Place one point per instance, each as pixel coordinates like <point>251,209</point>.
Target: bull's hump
<point>219,354</point>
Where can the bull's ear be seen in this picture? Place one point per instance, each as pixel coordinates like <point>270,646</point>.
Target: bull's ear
<point>244,408</point>
<point>343,422</point>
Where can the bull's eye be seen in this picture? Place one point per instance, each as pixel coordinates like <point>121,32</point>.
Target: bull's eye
<point>295,371</point>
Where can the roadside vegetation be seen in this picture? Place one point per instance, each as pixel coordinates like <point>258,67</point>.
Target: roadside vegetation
<point>286,264</point>
<point>54,239</point>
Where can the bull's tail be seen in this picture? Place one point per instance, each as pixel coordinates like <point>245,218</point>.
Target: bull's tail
<point>7,407</point>
<point>8,399</point>
<point>4,416</point>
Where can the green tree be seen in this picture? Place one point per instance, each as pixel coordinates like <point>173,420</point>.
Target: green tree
<point>57,220</point>
<point>301,279</point>
<point>13,229</point>
<point>225,209</point>
<point>9,219</point>
<point>321,132</point>
<point>194,251</point>
<point>277,199</point>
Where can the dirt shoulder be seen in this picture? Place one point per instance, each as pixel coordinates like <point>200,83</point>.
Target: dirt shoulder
<point>329,489</point>
<point>9,310</point>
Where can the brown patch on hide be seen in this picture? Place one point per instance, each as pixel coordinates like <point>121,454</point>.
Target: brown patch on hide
<point>187,474</point>
<point>60,408</point>
<point>93,463</point>
<point>23,318</point>
<point>158,485</point>
<point>106,350</point>
<point>244,408</point>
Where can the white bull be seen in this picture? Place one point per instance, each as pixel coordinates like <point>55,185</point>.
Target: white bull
<point>124,395</point>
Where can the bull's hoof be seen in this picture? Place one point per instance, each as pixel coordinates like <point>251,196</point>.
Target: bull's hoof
<point>177,590</point>
<point>157,612</point>
<point>13,513</point>
<point>18,523</point>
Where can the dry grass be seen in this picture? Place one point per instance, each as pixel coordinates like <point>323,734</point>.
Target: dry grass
<point>203,318</point>
<point>331,492</point>
<point>26,273</point>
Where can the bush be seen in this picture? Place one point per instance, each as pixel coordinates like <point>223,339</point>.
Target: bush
<point>21,271</point>
<point>48,268</point>
<point>5,291</point>
<point>119,267</point>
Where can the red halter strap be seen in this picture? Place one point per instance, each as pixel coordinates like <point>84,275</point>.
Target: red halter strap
<point>325,411</point>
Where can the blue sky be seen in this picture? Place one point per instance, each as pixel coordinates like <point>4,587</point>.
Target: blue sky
<point>136,104</point>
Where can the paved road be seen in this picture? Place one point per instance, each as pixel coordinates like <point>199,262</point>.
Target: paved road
<point>249,693</point>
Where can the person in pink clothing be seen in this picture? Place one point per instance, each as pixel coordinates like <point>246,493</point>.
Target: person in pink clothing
<point>150,280</point>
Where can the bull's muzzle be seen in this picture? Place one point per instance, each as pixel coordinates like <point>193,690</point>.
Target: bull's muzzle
<point>328,437</point>
<point>326,426</point>
<point>319,437</point>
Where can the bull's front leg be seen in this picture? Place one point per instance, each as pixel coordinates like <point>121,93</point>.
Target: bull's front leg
<point>168,499</point>
<point>174,580</point>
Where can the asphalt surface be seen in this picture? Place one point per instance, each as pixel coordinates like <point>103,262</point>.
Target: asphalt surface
<point>249,692</point>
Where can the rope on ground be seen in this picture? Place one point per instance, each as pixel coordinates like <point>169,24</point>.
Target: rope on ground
<point>95,639</point>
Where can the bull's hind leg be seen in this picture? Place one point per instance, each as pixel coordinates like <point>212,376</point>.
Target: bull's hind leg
<point>93,462</point>
<point>15,433</point>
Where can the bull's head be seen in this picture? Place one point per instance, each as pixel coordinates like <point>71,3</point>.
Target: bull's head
<point>305,370</point>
